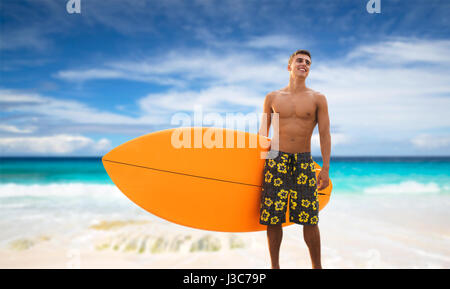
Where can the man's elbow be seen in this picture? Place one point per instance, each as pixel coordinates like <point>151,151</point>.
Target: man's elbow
<point>324,132</point>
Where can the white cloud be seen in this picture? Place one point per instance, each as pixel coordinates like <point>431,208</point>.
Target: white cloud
<point>404,51</point>
<point>15,129</point>
<point>102,145</point>
<point>284,42</point>
<point>180,68</point>
<point>13,101</point>
<point>28,37</point>
<point>12,97</point>
<point>336,139</point>
<point>217,99</point>
<point>62,144</point>
<point>275,41</point>
<point>112,73</point>
<point>428,141</point>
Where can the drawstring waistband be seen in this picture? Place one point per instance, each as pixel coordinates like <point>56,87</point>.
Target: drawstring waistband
<point>293,158</point>
<point>296,156</point>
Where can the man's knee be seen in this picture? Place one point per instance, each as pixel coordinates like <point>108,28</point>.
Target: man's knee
<point>274,228</point>
<point>310,228</point>
<point>311,233</point>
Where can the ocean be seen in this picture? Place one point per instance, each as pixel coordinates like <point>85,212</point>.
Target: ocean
<point>353,175</point>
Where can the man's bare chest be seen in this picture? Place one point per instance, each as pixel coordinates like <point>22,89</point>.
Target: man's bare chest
<point>295,107</point>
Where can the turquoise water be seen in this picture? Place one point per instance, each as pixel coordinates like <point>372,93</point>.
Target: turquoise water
<point>391,175</point>
<point>52,170</point>
<point>349,175</point>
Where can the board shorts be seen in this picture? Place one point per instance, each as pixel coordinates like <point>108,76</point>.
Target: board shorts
<point>289,181</point>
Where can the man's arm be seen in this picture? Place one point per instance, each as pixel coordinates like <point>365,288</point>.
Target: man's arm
<point>323,121</point>
<point>267,116</point>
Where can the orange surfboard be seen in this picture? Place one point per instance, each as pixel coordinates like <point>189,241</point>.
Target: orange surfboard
<point>200,177</point>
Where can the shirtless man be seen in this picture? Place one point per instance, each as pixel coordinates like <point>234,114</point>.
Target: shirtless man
<point>289,177</point>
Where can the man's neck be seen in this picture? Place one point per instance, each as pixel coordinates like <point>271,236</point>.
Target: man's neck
<point>296,85</point>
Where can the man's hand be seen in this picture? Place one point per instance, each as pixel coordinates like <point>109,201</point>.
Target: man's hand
<point>323,180</point>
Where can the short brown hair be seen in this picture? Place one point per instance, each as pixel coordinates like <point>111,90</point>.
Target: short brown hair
<point>300,51</point>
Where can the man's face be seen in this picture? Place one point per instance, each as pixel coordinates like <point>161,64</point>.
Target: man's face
<point>300,65</point>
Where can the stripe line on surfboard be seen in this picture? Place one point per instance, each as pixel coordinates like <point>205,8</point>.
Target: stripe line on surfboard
<point>185,174</point>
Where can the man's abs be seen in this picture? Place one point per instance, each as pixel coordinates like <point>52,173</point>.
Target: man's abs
<point>293,136</point>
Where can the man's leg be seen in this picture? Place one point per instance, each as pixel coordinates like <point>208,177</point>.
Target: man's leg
<point>311,235</point>
<point>274,236</point>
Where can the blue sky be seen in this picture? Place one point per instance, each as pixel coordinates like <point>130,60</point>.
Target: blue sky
<point>81,84</point>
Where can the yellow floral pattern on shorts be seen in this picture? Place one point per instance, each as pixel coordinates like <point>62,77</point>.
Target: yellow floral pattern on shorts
<point>282,168</point>
<point>277,182</point>
<point>265,215</point>
<point>283,194</point>
<point>303,217</point>
<point>293,194</point>
<point>302,178</point>
<point>306,203</point>
<point>274,220</point>
<point>293,205</point>
<point>279,205</point>
<point>271,163</point>
<point>289,185</point>
<point>268,176</point>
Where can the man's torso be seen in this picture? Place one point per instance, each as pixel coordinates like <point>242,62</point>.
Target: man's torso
<point>297,119</point>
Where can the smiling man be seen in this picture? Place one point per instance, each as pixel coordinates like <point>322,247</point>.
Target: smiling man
<point>289,172</point>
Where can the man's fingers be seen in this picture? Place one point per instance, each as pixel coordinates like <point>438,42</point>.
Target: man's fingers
<point>322,184</point>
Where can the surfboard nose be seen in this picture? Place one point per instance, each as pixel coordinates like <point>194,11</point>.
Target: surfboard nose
<point>108,156</point>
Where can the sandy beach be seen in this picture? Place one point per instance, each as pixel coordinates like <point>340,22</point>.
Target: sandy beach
<point>366,231</point>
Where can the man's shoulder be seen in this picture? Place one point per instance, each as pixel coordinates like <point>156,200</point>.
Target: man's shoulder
<point>318,96</point>
<point>279,92</point>
<point>272,95</point>
<point>276,92</point>
<point>316,93</point>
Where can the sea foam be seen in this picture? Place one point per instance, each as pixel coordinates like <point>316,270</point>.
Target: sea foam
<point>406,187</point>
<point>59,189</point>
